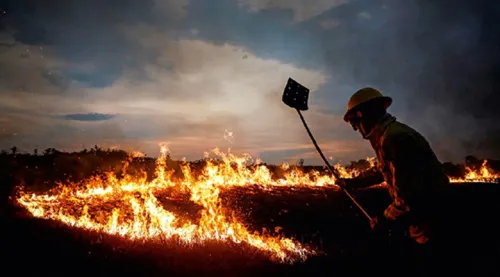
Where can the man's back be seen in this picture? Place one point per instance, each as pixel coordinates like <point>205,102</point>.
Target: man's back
<point>410,150</point>
<point>414,174</point>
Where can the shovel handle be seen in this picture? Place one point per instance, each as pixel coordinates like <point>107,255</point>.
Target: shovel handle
<point>330,167</point>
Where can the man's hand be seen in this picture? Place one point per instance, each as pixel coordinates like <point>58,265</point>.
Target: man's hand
<point>379,223</point>
<point>352,183</point>
<point>341,183</point>
<point>347,183</point>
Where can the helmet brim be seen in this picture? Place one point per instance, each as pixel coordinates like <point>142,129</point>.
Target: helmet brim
<point>385,101</point>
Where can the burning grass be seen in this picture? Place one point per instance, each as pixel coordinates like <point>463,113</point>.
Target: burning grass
<point>186,210</point>
<point>483,175</point>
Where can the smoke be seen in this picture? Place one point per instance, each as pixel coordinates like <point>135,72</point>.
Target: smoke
<point>461,73</point>
<point>441,60</point>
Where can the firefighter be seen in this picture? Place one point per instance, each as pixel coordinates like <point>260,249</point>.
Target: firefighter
<point>415,177</point>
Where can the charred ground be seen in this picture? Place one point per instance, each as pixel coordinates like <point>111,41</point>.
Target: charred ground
<point>322,217</point>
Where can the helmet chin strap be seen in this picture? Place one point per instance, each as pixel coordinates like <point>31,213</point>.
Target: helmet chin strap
<point>363,132</point>
<point>358,125</point>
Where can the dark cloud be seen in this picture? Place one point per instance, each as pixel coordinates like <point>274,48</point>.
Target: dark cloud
<point>89,117</point>
<point>83,25</point>
<point>462,69</point>
<point>82,32</point>
<point>439,59</point>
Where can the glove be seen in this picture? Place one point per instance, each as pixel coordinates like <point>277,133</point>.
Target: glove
<point>349,183</point>
<point>341,183</point>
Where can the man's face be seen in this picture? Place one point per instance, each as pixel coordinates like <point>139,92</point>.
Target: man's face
<point>356,123</point>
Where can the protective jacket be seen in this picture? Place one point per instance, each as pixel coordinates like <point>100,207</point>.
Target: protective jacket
<point>415,176</point>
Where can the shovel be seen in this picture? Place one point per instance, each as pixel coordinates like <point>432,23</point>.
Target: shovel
<point>296,96</point>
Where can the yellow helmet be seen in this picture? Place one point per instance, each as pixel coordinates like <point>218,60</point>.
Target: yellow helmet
<point>365,95</point>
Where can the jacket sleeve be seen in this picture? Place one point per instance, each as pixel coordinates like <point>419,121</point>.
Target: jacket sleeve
<point>366,179</point>
<point>403,154</point>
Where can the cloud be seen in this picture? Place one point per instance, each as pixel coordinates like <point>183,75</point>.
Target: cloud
<point>242,95</point>
<point>200,75</point>
<point>88,116</point>
<point>20,62</point>
<point>186,71</point>
<point>329,24</point>
<point>176,8</point>
<point>189,95</point>
<point>88,36</point>
<point>215,82</point>
<point>339,150</point>
<point>302,10</point>
<point>438,61</point>
<point>364,15</point>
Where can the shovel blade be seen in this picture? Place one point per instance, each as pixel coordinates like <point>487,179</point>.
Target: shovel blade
<point>296,95</point>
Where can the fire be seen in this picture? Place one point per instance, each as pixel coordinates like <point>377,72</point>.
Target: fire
<point>484,174</point>
<point>131,206</point>
<point>138,154</point>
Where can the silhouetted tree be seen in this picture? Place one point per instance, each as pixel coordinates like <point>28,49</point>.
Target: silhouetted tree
<point>35,152</point>
<point>453,170</point>
<point>14,150</point>
<point>360,164</point>
<point>300,163</point>
<point>50,151</point>
<point>473,162</point>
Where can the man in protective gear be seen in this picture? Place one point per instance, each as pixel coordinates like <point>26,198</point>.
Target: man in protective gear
<point>415,177</point>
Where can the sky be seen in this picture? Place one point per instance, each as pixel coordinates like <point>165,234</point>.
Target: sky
<point>131,74</point>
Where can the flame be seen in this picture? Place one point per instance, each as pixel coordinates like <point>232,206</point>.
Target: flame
<point>353,173</point>
<point>137,154</point>
<point>131,206</point>
<point>483,174</point>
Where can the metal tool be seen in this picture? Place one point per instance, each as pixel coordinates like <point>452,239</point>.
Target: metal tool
<point>296,96</point>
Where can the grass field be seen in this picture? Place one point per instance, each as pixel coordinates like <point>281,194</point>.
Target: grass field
<point>320,218</point>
